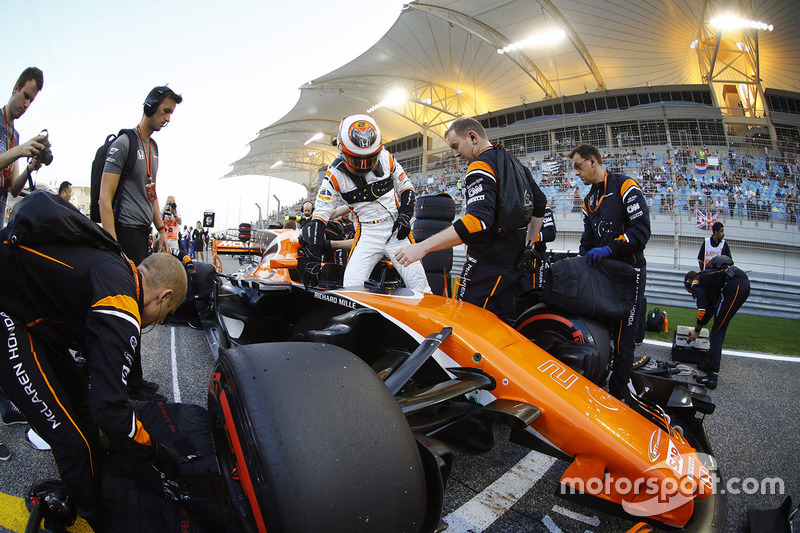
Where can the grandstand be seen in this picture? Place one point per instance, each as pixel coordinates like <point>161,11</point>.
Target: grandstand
<point>704,113</point>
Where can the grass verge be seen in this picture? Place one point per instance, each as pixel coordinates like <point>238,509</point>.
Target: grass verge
<point>754,333</point>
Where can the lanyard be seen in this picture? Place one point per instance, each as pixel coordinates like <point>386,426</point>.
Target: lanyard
<point>148,151</point>
<point>9,143</point>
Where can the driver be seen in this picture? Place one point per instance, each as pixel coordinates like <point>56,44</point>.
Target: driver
<point>62,296</point>
<point>367,178</point>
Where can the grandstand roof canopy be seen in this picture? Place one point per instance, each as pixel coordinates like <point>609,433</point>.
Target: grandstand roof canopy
<point>440,60</point>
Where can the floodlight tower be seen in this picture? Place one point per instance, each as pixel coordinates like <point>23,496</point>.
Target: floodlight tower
<point>728,53</point>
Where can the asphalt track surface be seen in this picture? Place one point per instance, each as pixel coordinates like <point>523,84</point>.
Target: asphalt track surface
<point>754,432</point>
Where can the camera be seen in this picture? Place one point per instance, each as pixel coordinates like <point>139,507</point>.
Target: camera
<point>45,156</point>
<point>173,205</point>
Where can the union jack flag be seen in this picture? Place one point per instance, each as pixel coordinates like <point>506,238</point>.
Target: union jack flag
<point>706,220</point>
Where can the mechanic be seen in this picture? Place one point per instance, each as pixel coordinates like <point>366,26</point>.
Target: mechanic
<point>74,296</point>
<point>713,246</point>
<point>492,274</point>
<point>366,177</point>
<point>719,291</point>
<point>616,224</point>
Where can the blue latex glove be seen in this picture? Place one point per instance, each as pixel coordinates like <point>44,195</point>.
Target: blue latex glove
<point>595,255</point>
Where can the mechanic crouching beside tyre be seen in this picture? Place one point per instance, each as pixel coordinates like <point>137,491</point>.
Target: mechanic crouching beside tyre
<point>616,225</point>
<point>66,286</point>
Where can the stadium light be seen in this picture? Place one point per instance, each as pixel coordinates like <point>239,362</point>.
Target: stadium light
<point>394,98</point>
<point>276,164</point>
<point>315,137</point>
<point>547,37</point>
<point>731,22</point>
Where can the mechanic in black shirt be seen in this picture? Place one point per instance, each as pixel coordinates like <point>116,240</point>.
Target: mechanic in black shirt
<point>60,296</point>
<point>616,224</point>
<point>719,291</point>
<point>491,278</point>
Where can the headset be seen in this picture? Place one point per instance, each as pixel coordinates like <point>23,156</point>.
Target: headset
<point>152,102</point>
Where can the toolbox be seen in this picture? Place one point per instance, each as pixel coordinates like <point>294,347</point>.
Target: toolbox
<point>694,352</point>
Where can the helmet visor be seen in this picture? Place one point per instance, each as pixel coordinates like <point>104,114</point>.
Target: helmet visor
<point>360,164</point>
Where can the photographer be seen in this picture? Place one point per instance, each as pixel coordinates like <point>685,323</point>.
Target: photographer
<point>28,85</point>
<point>172,222</point>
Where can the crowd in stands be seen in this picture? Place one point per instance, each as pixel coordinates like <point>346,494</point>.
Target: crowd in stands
<point>756,188</point>
<point>765,188</point>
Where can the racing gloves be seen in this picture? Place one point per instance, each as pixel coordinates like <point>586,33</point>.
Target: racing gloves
<point>403,223</point>
<point>595,255</point>
<point>166,461</point>
<point>313,240</point>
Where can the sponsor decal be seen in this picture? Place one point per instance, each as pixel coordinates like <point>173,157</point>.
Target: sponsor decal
<point>558,373</point>
<point>472,191</point>
<point>140,155</point>
<point>637,215</point>
<point>633,207</point>
<point>655,443</point>
<point>324,198</point>
<point>334,299</point>
<point>674,458</point>
<point>475,199</point>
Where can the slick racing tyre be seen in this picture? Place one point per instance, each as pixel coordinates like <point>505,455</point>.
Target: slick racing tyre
<point>309,439</point>
<point>565,338</point>
<point>435,207</point>
<point>424,228</point>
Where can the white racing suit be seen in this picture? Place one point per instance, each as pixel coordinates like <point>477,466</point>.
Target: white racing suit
<point>374,200</point>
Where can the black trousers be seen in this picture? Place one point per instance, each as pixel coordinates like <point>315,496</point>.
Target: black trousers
<point>135,243</point>
<point>734,293</point>
<point>51,391</point>
<point>624,336</point>
<point>492,286</point>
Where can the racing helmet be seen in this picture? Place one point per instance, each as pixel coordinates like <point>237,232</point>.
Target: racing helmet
<point>360,143</point>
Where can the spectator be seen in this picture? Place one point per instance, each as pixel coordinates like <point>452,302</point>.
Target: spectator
<point>713,246</point>
<point>25,90</point>
<point>128,219</point>
<point>197,242</point>
<point>65,190</point>
<point>172,221</point>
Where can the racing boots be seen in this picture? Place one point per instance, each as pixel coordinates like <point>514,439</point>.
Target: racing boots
<point>709,381</point>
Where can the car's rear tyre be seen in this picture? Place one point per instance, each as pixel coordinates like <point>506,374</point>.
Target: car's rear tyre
<point>309,439</point>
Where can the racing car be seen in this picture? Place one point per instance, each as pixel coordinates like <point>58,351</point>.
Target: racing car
<point>336,409</point>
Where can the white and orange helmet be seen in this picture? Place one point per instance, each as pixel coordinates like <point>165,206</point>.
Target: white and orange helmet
<point>360,143</point>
